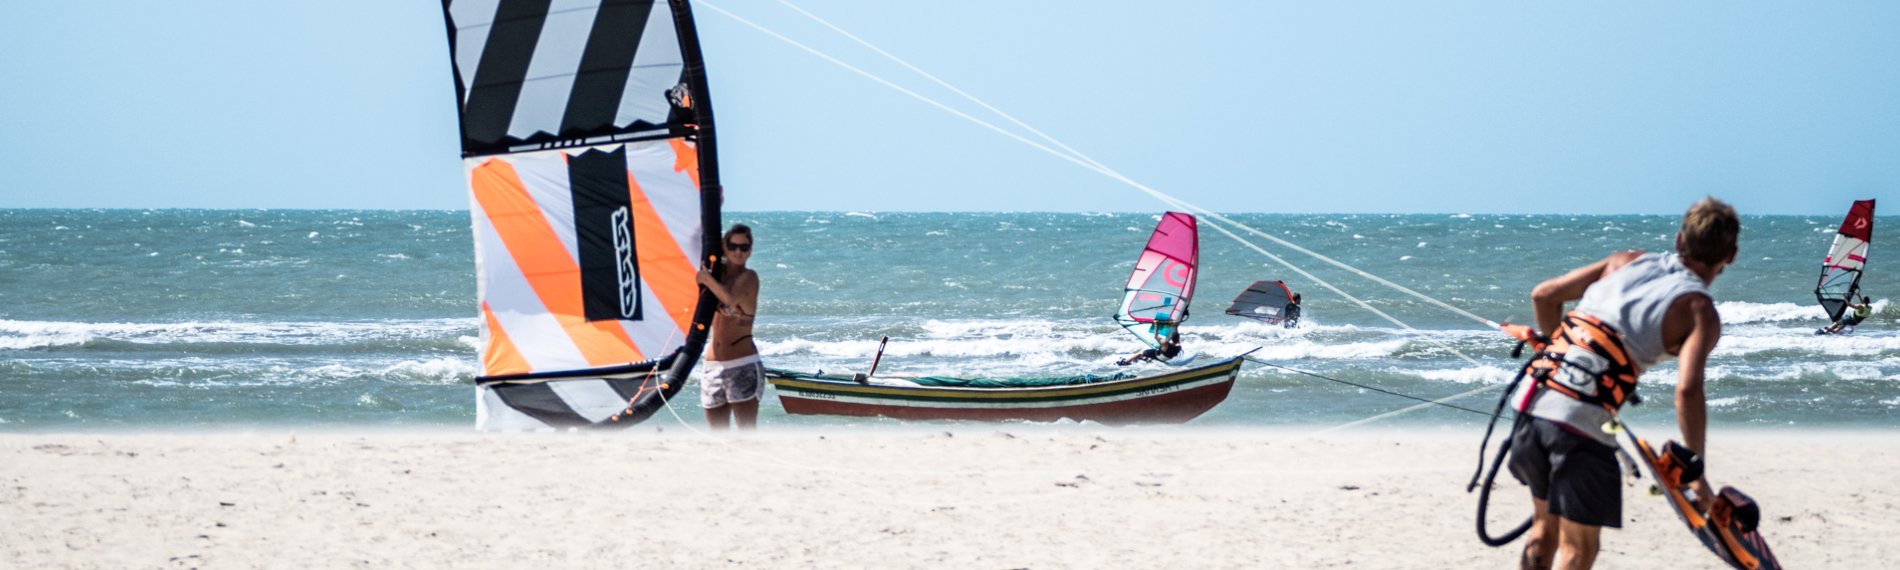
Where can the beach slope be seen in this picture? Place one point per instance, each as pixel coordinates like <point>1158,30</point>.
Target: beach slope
<point>956,497</point>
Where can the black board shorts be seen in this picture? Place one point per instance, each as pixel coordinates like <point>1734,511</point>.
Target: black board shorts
<point>1577,476</point>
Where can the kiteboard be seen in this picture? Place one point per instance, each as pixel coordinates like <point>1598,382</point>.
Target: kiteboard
<point>1728,528</point>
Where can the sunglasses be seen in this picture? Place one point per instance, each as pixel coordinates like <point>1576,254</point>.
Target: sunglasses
<point>737,246</point>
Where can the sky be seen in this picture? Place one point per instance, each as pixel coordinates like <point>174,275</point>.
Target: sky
<point>1237,106</point>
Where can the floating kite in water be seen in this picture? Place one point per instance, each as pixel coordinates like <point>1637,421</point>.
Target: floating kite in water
<point>1841,270</point>
<point>587,136</point>
<point>1156,298</point>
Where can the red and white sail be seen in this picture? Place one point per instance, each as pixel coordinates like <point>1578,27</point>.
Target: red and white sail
<point>1841,269</point>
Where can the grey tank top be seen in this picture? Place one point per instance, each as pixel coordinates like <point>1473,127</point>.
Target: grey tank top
<point>1633,300</point>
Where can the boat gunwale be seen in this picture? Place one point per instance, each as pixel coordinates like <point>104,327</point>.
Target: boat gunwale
<point>1227,367</point>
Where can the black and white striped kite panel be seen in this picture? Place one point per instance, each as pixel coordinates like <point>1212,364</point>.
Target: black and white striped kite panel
<point>538,71</point>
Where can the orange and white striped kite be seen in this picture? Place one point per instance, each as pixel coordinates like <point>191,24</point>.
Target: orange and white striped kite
<point>588,142</point>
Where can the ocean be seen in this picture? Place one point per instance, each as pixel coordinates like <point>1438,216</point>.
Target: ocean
<point>184,319</point>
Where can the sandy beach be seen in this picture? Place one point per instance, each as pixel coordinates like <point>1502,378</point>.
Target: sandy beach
<point>956,497</point>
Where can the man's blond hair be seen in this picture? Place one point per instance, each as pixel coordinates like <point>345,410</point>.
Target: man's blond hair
<point>1709,230</point>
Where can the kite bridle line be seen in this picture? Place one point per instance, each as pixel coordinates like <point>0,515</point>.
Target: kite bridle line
<point>1080,159</point>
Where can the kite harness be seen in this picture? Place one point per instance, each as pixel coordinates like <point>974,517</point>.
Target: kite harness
<point>1585,360</point>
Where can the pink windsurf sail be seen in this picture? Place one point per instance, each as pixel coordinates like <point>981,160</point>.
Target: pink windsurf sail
<point>1156,298</point>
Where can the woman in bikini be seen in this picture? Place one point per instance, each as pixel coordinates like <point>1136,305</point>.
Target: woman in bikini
<point>730,389</point>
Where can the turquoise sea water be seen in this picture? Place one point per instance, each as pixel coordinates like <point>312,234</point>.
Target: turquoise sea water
<point>220,318</point>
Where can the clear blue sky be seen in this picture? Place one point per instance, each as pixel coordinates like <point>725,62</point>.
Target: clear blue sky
<point>1602,107</point>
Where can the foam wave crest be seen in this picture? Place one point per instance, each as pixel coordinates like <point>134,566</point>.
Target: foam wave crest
<point>49,334</point>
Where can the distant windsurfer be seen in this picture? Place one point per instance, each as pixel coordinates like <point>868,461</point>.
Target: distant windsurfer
<point>1292,312</point>
<point>1637,309</point>
<point>734,375</point>
<point>1168,346</point>
<point>1861,312</point>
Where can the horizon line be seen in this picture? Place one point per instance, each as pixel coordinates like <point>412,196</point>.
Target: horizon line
<point>883,212</point>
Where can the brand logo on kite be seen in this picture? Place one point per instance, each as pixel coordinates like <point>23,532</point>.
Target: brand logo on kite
<point>1860,223</point>
<point>623,262</point>
<point>680,96</point>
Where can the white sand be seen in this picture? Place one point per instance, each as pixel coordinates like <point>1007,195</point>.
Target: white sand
<point>972,497</point>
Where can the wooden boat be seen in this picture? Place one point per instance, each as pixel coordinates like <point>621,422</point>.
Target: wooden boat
<point>1172,397</point>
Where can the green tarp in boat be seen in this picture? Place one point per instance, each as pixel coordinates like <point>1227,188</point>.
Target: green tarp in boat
<point>953,382</point>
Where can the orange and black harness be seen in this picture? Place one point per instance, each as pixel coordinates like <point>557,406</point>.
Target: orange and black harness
<point>1599,372</point>
<point>1614,383</point>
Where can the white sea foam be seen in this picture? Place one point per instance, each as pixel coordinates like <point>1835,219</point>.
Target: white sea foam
<point>861,215</point>
<point>1303,350</point>
<point>44,334</point>
<point>1483,375</point>
<point>203,373</point>
<point>1739,312</point>
<point>434,371</point>
<point>1742,341</point>
<point>1852,371</point>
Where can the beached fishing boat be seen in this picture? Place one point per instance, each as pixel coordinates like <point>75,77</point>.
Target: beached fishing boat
<point>1171,397</point>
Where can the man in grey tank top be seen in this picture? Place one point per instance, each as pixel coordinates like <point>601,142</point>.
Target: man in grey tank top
<point>1659,307</point>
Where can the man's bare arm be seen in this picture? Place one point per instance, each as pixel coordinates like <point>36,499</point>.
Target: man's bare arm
<point>1691,403</point>
<point>1549,297</point>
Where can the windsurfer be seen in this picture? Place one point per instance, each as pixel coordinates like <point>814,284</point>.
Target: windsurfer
<point>734,375</point>
<point>1861,312</point>
<point>1635,309</point>
<point>1292,312</point>
<point>1169,346</point>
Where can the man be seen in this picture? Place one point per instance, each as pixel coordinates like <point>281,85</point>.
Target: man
<point>734,376</point>
<point>1170,346</point>
<point>1292,313</point>
<point>1635,310</point>
<point>1861,312</point>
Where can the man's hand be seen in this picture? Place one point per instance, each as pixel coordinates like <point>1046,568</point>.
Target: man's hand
<point>1704,495</point>
<point>1526,335</point>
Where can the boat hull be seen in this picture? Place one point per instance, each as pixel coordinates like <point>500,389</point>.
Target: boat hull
<point>1169,398</point>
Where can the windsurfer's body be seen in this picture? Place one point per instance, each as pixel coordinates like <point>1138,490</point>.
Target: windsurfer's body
<point>1292,312</point>
<point>1168,346</point>
<point>1654,306</point>
<point>734,375</point>
<point>1853,318</point>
